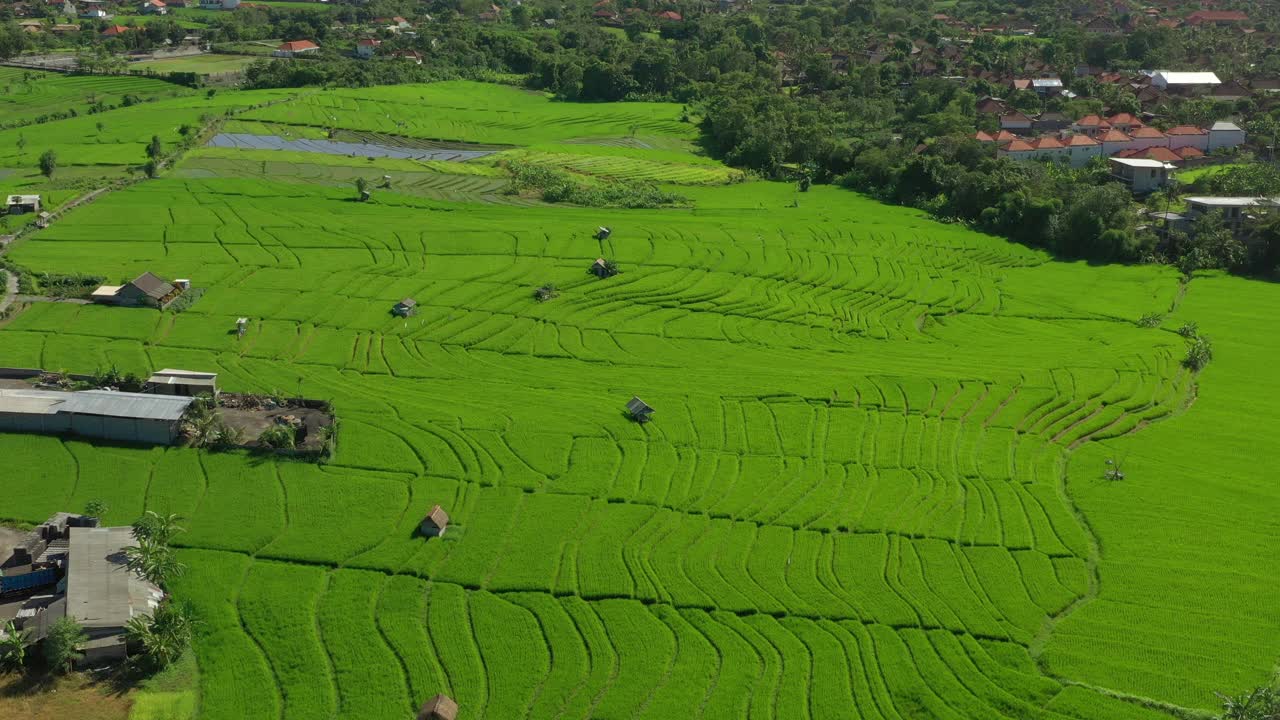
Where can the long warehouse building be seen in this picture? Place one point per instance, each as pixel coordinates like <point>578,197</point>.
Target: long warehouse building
<point>105,414</point>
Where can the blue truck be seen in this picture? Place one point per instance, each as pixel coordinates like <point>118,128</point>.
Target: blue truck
<point>29,581</point>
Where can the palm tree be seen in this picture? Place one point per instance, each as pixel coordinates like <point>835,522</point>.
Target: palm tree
<point>159,528</point>
<point>153,561</point>
<point>163,636</point>
<point>13,648</point>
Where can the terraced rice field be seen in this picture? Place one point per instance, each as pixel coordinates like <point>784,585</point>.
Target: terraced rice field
<point>28,94</point>
<point>872,488</point>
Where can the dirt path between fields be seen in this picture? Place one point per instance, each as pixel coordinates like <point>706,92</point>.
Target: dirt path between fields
<point>10,290</point>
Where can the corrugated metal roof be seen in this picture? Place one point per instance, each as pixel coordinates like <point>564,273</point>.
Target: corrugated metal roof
<point>102,592</point>
<point>186,374</point>
<point>31,402</point>
<point>126,405</point>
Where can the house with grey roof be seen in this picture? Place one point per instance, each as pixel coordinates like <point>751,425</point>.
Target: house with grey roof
<point>146,290</point>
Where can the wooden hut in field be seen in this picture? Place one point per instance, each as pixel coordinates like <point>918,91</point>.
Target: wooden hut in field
<point>440,707</point>
<point>435,523</point>
<point>405,308</point>
<point>603,233</point>
<point>639,410</point>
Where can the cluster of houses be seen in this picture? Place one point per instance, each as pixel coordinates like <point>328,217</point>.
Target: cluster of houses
<point>1120,136</point>
<point>69,566</point>
<point>606,13</point>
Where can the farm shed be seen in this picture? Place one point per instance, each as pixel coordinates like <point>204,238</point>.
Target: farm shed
<point>603,233</point>
<point>405,307</point>
<point>435,523</point>
<point>22,204</point>
<point>185,383</point>
<point>639,409</point>
<point>121,416</point>
<point>146,290</point>
<point>600,268</point>
<point>103,594</point>
<point>440,707</point>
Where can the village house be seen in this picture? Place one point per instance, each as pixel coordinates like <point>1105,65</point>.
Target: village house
<point>366,48</point>
<point>1220,18</point>
<point>412,55</point>
<point>296,48</point>
<point>219,4</point>
<point>146,290</point>
<point>1141,175</point>
<point>1101,25</point>
<point>1225,135</point>
<point>115,31</point>
<point>154,7</point>
<point>22,204</point>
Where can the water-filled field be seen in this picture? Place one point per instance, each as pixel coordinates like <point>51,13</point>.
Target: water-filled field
<point>872,488</point>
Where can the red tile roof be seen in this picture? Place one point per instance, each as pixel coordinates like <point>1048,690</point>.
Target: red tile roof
<point>115,30</point>
<point>1048,142</point>
<point>1019,146</point>
<point>1189,152</point>
<point>1202,16</point>
<point>670,15</point>
<point>1080,141</point>
<point>1092,121</point>
<point>983,137</point>
<point>1124,119</point>
<point>1115,136</point>
<point>1005,136</point>
<point>1185,130</point>
<point>1149,133</point>
<point>1163,154</point>
<point>296,45</point>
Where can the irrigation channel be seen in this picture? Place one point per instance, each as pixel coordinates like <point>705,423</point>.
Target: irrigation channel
<point>246,141</point>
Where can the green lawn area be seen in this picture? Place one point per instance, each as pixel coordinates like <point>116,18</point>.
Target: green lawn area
<point>202,64</point>
<point>1189,176</point>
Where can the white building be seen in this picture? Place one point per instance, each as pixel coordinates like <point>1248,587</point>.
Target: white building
<point>1185,82</point>
<point>1225,135</point>
<point>1142,176</point>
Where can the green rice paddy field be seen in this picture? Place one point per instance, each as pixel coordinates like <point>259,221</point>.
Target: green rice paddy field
<point>873,486</point>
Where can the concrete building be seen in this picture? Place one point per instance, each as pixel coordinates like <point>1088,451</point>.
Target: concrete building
<point>1224,135</point>
<point>22,204</point>
<point>1236,211</point>
<point>104,414</point>
<point>1187,136</point>
<point>1186,83</point>
<point>182,383</point>
<point>154,7</point>
<point>103,594</point>
<point>1141,175</point>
